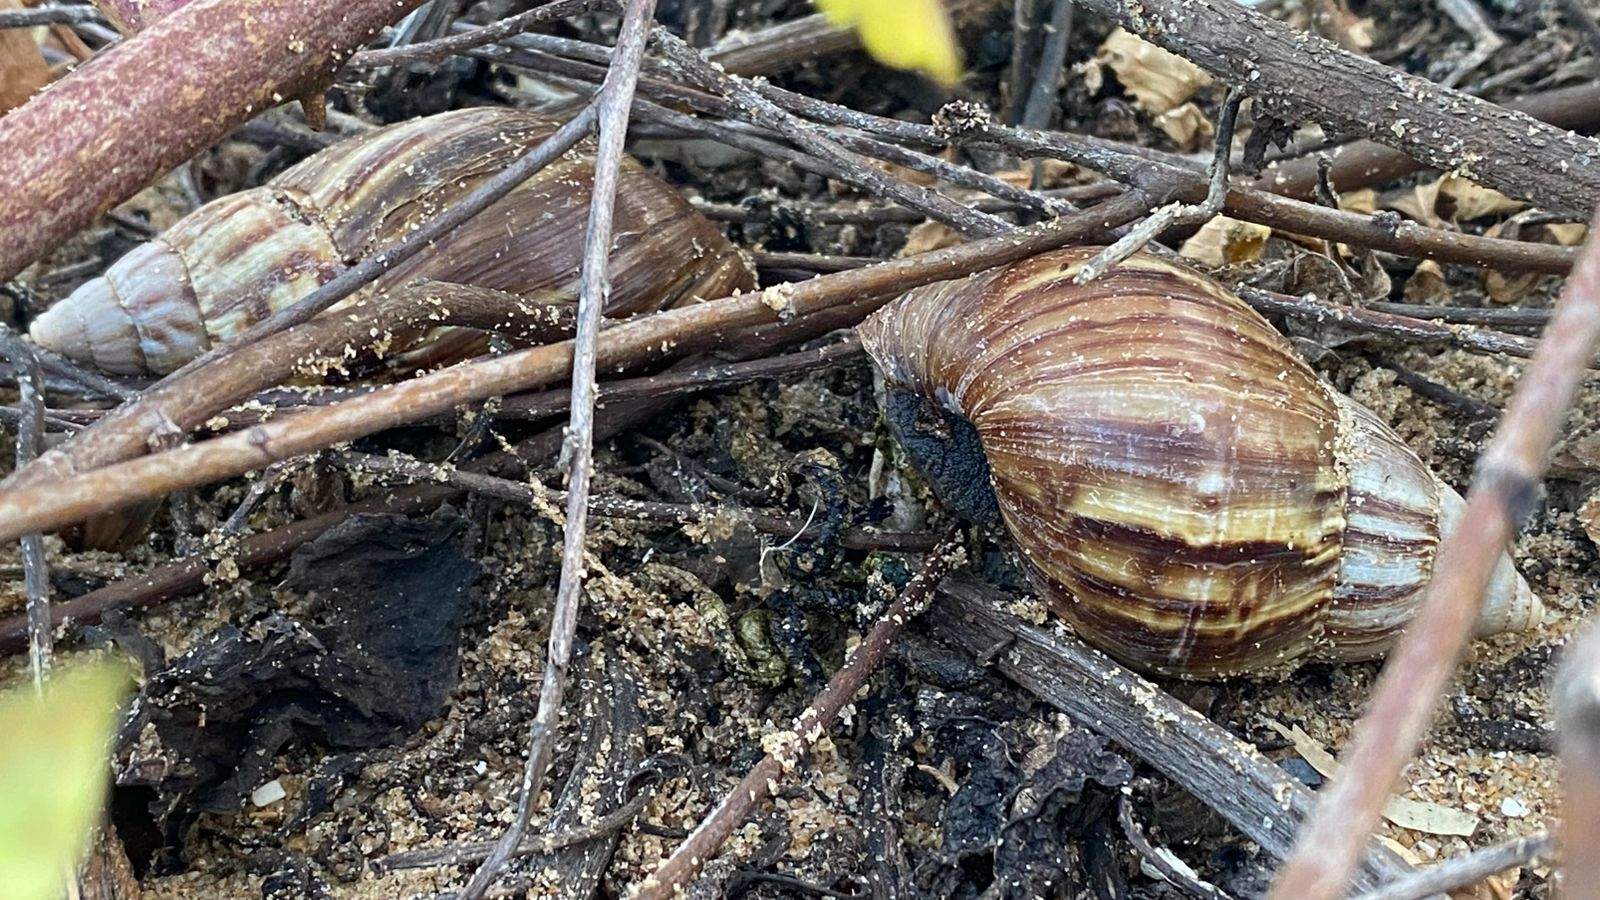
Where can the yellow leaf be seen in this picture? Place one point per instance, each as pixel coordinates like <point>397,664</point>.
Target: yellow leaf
<point>902,34</point>
<point>53,775</point>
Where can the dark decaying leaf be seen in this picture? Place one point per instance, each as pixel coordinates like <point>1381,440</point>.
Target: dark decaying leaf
<point>373,656</point>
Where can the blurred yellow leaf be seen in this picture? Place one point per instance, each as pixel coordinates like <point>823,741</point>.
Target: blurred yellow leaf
<point>902,34</point>
<point>53,775</point>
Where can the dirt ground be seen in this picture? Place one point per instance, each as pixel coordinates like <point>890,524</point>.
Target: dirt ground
<point>724,634</point>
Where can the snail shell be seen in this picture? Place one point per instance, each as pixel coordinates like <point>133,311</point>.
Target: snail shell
<point>238,259</point>
<point>1185,491</point>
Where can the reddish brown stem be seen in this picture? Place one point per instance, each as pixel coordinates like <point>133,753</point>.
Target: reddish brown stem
<point>1504,491</point>
<point>1577,703</point>
<point>680,869</point>
<point>114,125</point>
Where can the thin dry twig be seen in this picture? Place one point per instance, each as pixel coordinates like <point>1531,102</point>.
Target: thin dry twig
<point>435,50</point>
<point>612,107</point>
<point>761,111</point>
<point>47,15</point>
<point>1465,870</point>
<point>624,508</point>
<point>1176,213</point>
<point>1577,706</point>
<point>30,441</point>
<point>458,854</point>
<point>1505,489</point>
<point>789,748</point>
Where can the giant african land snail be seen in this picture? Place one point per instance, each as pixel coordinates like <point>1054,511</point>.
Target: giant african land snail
<point>1185,491</point>
<point>237,259</point>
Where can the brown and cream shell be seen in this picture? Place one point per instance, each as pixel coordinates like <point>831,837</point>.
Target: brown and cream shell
<point>238,259</point>
<point>1185,491</point>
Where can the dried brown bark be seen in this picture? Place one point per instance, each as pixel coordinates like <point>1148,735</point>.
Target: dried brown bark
<point>102,133</point>
<point>1355,96</point>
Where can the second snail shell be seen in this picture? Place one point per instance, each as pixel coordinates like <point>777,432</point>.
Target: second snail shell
<point>238,259</point>
<point>1184,490</point>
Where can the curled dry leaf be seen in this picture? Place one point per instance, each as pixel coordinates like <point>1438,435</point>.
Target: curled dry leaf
<point>23,70</point>
<point>1188,127</point>
<point>1159,81</point>
<point>1224,242</point>
<point>1453,199</point>
<point>1427,283</point>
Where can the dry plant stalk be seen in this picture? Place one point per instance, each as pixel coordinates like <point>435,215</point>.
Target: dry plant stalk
<point>111,127</point>
<point>61,501</point>
<point>1504,491</point>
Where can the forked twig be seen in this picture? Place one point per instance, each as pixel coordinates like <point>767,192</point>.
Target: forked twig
<point>1504,492</point>
<point>1176,213</point>
<point>791,746</point>
<point>437,49</point>
<point>612,107</point>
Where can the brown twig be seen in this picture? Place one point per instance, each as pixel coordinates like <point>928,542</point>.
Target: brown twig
<point>624,508</point>
<point>1359,164</point>
<point>1466,870</point>
<point>1504,491</point>
<point>1175,214</point>
<point>435,50</point>
<point>1228,775</point>
<point>459,854</point>
<point>1576,699</point>
<point>58,501</point>
<point>763,112</point>
<point>790,747</point>
<point>106,131</point>
<point>1354,95</point>
<point>612,107</point>
<point>30,441</point>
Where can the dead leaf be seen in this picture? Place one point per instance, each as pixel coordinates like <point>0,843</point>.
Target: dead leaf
<point>1223,242</point>
<point>1416,815</point>
<point>929,236</point>
<point>1158,80</point>
<point>1453,199</point>
<point>1427,283</point>
<point>1188,127</point>
<point>1361,200</point>
<point>1567,234</point>
<point>23,70</point>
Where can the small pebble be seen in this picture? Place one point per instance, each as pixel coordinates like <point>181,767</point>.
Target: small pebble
<point>1512,808</point>
<point>268,793</point>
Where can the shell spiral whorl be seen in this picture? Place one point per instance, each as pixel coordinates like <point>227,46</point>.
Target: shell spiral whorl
<point>1185,491</point>
<point>238,259</point>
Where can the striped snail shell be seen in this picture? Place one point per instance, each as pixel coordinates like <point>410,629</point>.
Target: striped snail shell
<point>238,259</point>
<point>1186,493</point>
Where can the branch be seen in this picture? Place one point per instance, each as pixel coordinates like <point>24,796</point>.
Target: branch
<point>1576,699</point>
<point>612,107</point>
<point>60,501</point>
<point>790,747</point>
<point>108,129</point>
<point>1227,774</point>
<point>1504,491</point>
<point>1353,95</point>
